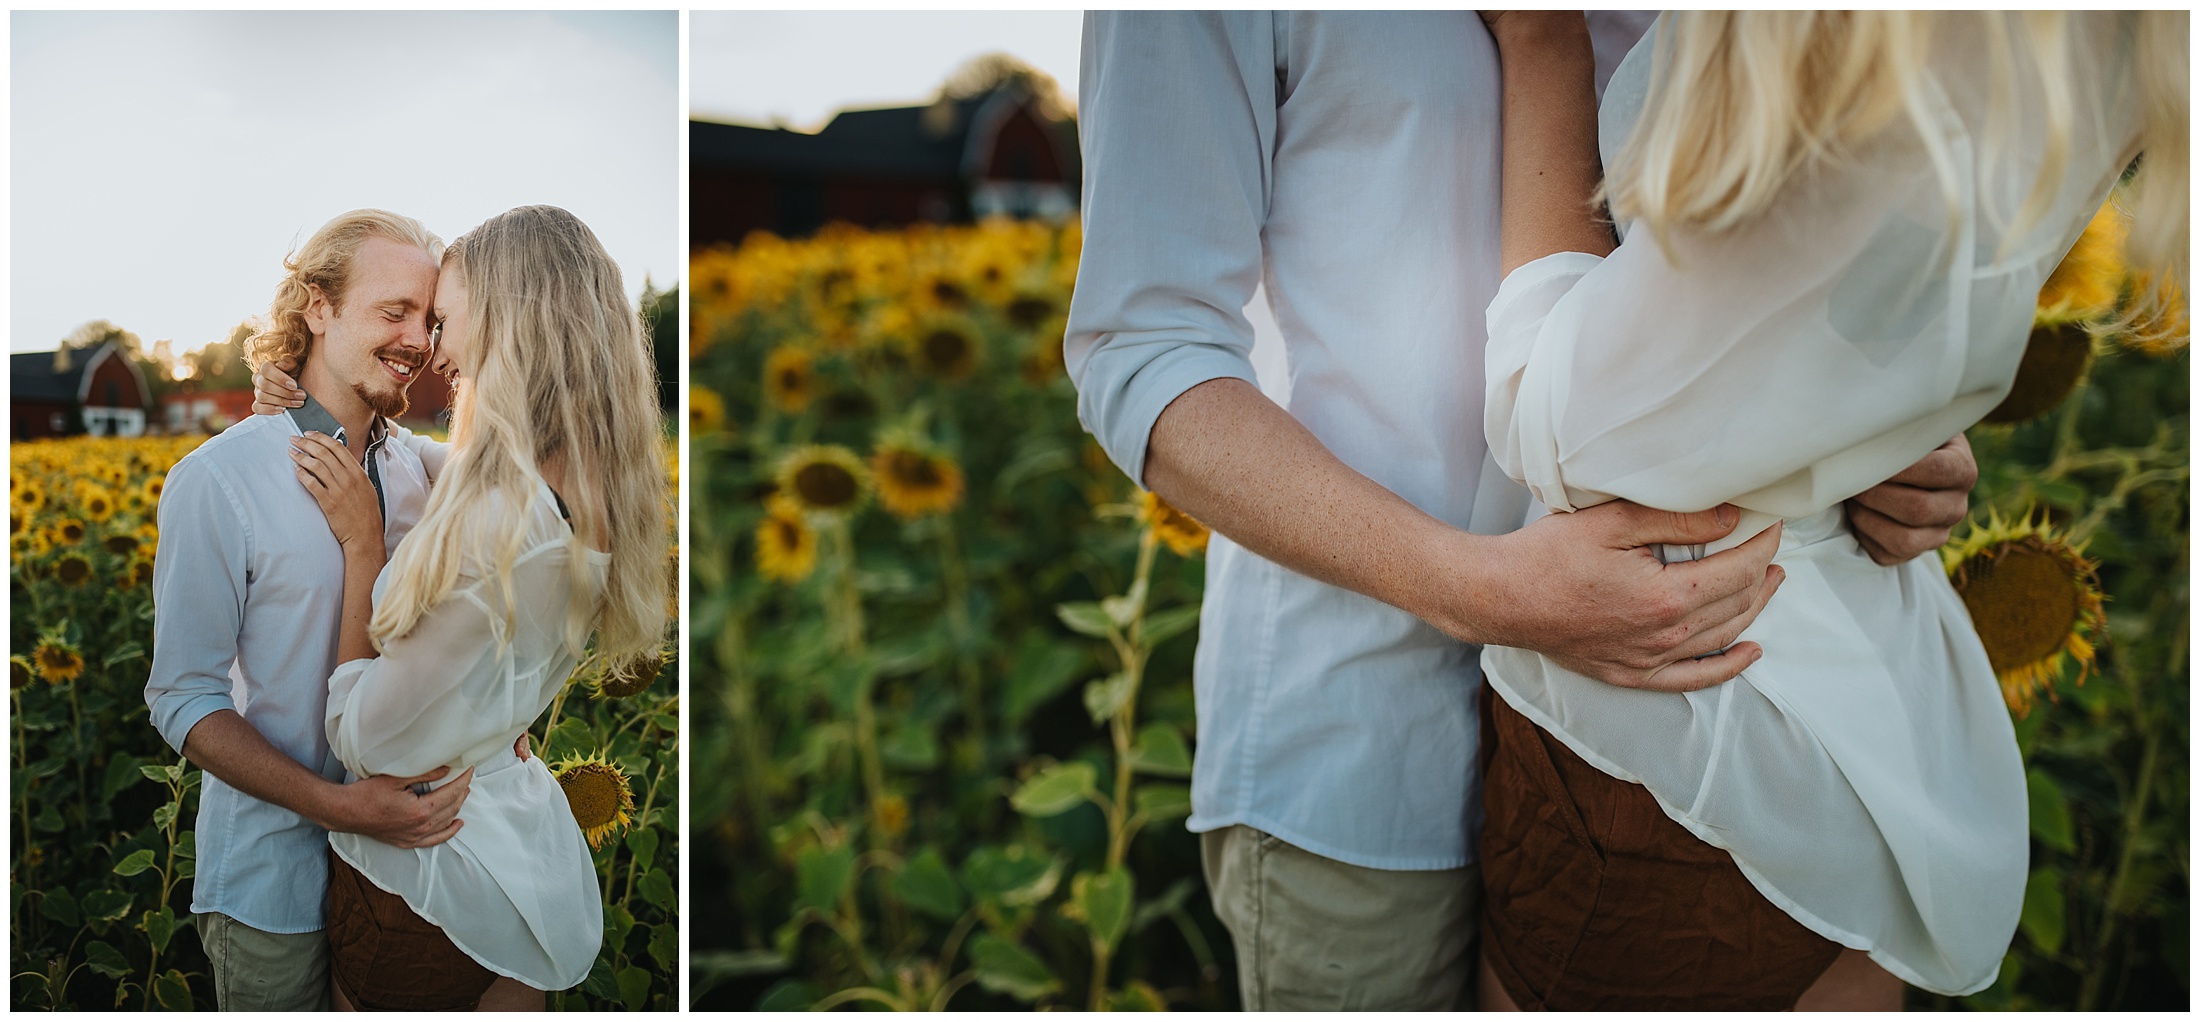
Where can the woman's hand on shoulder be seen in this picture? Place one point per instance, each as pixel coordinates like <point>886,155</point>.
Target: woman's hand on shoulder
<point>339,484</point>
<point>274,390</point>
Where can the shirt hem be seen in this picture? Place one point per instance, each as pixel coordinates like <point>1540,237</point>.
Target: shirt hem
<point>1297,839</point>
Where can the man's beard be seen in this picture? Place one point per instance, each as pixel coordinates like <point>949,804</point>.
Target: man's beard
<point>387,404</point>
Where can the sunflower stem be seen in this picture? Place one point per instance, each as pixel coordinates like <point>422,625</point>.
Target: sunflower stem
<point>956,578</point>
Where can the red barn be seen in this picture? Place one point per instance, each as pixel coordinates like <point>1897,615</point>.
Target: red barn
<point>58,393</point>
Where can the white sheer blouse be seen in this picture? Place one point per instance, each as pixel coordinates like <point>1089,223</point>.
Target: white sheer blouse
<point>515,887</point>
<point>1863,774</point>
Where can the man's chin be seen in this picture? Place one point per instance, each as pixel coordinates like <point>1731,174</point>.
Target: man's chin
<point>386,403</point>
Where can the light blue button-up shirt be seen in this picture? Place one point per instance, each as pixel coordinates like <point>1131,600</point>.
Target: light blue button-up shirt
<point>248,593</point>
<point>1348,164</point>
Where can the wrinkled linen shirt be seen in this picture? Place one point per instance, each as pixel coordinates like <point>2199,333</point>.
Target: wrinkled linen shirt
<point>515,888</point>
<point>1863,773</point>
<point>248,594</point>
<point>1348,164</point>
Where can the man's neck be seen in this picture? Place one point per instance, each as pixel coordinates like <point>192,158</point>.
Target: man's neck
<point>342,404</point>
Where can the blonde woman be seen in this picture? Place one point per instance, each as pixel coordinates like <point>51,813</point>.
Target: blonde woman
<point>546,525</point>
<point>1834,227</point>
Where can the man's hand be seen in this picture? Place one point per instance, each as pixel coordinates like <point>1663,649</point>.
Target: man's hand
<point>1914,511</point>
<point>387,810</point>
<point>1586,590</point>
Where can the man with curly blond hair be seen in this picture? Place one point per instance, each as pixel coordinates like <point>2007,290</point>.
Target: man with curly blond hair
<point>247,596</point>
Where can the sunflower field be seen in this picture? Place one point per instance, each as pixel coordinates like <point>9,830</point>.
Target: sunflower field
<point>101,810</point>
<point>942,647</point>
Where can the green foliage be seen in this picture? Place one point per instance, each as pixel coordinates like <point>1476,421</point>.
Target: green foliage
<point>927,761</point>
<point>2107,909</point>
<point>103,851</point>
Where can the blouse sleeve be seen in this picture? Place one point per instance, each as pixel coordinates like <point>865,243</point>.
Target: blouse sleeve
<point>431,452</point>
<point>1784,366</point>
<point>417,706</point>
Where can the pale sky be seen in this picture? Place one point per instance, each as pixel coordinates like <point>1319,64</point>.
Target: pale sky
<point>756,67</point>
<point>164,163</point>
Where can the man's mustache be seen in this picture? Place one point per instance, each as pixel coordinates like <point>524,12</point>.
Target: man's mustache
<point>402,356</point>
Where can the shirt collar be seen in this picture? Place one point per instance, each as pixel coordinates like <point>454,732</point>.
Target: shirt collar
<point>312,417</point>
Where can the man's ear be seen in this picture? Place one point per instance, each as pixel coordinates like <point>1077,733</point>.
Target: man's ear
<point>318,311</point>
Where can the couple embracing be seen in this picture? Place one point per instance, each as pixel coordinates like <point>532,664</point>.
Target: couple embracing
<point>1578,605</point>
<point>355,625</point>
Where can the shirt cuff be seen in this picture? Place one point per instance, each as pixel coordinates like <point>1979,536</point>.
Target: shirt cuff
<point>1125,429</point>
<point>175,720</point>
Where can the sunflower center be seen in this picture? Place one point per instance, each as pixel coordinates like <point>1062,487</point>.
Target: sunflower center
<point>825,485</point>
<point>790,533</point>
<point>945,350</point>
<point>912,469</point>
<point>74,570</point>
<point>594,795</point>
<point>2024,605</point>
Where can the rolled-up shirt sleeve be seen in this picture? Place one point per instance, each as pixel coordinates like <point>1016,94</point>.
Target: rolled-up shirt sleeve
<point>198,599</point>
<point>1177,119</point>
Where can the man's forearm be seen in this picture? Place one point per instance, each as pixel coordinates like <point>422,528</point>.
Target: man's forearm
<point>226,745</point>
<point>1228,456</point>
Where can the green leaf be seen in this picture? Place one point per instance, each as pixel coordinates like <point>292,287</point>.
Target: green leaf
<point>822,875</point>
<point>135,863</point>
<point>600,984</point>
<point>1006,968</point>
<point>1102,901</point>
<point>664,947</point>
<point>1160,751</point>
<point>617,923</point>
<point>173,993</point>
<point>159,925</point>
<point>571,737</point>
<point>123,654</point>
<point>1085,619</point>
<point>1163,625</point>
<point>642,841</point>
<point>2042,919</point>
<point>1043,668</point>
<point>166,814</point>
<point>2050,811</point>
<point>105,960</point>
<point>1055,790</point>
<point>1013,877</point>
<point>634,987</point>
<point>1121,610</point>
<point>1139,995</point>
<point>1104,698</point>
<point>106,906</point>
<point>122,771</point>
<point>60,906</point>
<point>788,995</point>
<point>1161,802</point>
<point>912,746</point>
<point>656,887</point>
<point>158,774</point>
<point>926,885</point>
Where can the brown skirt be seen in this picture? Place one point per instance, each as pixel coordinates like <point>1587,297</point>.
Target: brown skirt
<point>1595,899</point>
<point>386,958</point>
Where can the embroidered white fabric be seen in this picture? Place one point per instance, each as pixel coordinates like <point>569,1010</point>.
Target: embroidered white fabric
<point>1863,774</point>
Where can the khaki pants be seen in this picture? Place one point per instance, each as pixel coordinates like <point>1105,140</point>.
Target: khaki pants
<point>1314,934</point>
<point>255,970</point>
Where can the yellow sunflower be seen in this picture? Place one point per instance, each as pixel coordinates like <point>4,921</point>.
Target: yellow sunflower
<point>29,496</point>
<point>1183,533</point>
<point>151,487</point>
<point>598,794</point>
<point>2085,284</point>
<point>914,482</point>
<point>19,672</point>
<point>140,572</point>
<point>706,411</point>
<point>73,570</point>
<point>786,546</point>
<point>58,661</point>
<point>121,544</point>
<point>97,503</point>
<point>68,532</point>
<point>2034,599</point>
<point>628,679</point>
<point>824,479</point>
<point>946,350</point>
<point>2054,361</point>
<point>790,378</point>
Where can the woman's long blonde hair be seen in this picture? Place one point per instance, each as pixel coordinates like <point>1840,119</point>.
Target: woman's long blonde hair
<point>1743,101</point>
<point>557,368</point>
